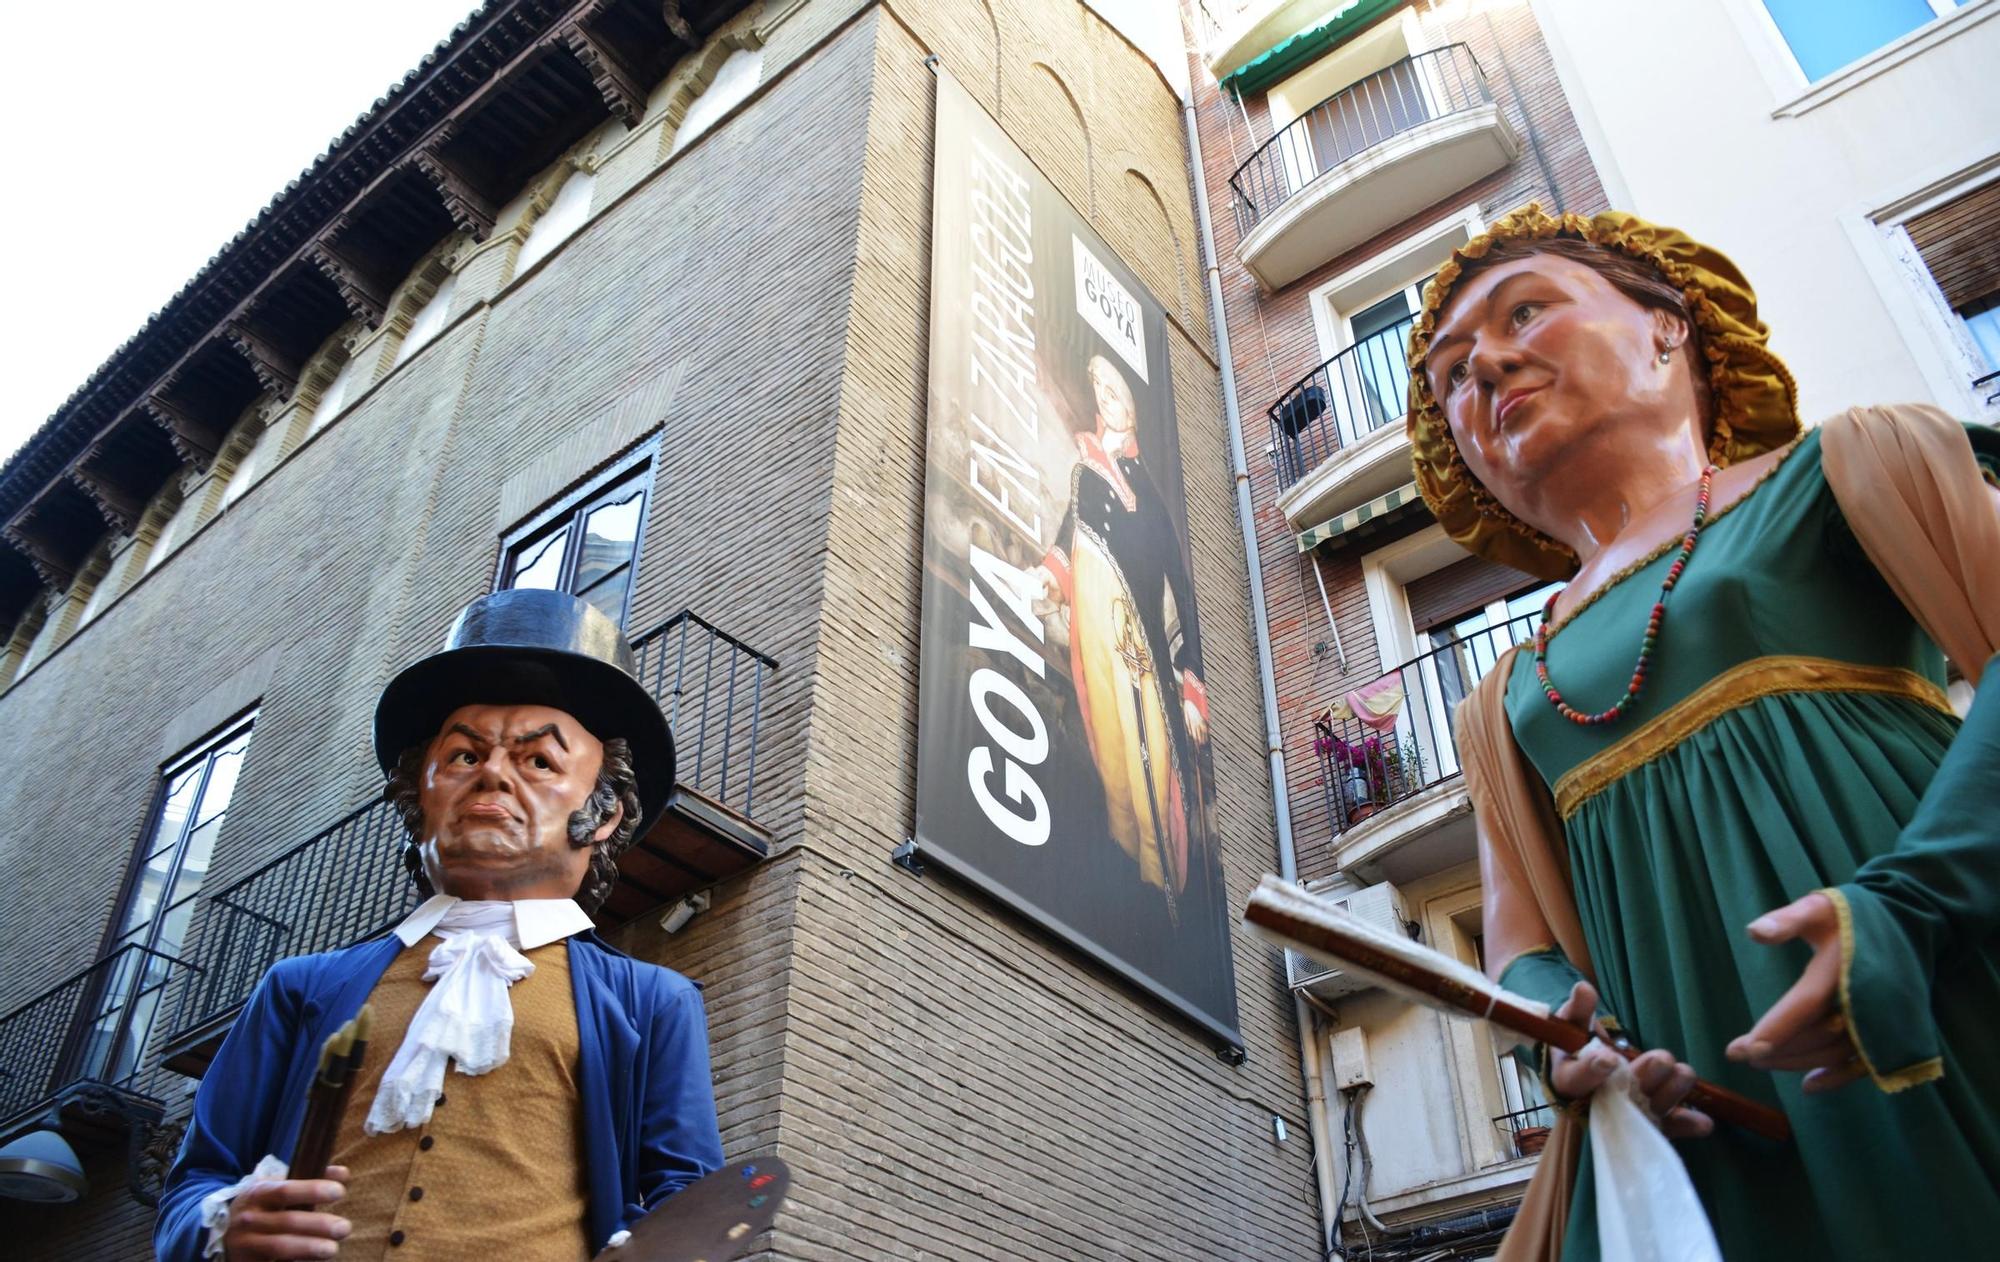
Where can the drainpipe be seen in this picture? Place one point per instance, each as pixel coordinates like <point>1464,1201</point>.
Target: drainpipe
<point>1246,518</point>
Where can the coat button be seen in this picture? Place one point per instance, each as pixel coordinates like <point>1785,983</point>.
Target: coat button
<point>416,1194</point>
<point>424,1144</point>
<point>396,1238</point>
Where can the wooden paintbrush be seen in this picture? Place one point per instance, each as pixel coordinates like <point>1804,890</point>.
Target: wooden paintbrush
<point>1291,917</point>
<point>340,1060</point>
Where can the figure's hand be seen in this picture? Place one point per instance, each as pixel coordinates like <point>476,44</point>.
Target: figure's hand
<point>265,1225</point>
<point>1052,592</point>
<point>1665,1080</point>
<point>1197,722</point>
<point>1804,1030</point>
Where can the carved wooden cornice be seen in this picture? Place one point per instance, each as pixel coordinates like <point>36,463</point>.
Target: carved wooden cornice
<point>364,301</point>
<point>616,47</point>
<point>120,510</point>
<point>56,573</point>
<point>275,370</point>
<point>471,210</point>
<point>194,439</point>
<point>624,95</point>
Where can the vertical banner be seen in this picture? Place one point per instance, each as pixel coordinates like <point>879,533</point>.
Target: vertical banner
<point>1063,762</point>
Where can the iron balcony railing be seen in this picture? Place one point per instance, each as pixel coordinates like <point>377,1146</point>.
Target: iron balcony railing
<point>712,687</point>
<point>1366,766</point>
<point>1391,101</point>
<point>93,1026</point>
<point>1990,379</point>
<point>1337,404</point>
<point>347,883</point>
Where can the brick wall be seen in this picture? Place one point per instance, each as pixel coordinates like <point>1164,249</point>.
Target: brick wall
<point>947,1081</point>
<point>1274,344</point>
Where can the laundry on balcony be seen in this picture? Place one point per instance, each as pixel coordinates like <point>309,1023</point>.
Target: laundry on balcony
<point>1373,705</point>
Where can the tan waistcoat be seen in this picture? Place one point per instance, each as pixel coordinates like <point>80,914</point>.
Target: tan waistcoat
<point>498,1172</point>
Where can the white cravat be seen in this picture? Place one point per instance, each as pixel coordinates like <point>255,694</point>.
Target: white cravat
<point>467,1019</point>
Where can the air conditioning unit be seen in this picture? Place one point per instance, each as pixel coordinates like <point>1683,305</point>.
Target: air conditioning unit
<point>1380,905</point>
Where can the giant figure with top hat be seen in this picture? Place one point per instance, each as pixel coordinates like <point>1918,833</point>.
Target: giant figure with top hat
<point>544,1091</point>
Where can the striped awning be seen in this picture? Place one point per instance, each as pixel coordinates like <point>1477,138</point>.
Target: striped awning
<point>1375,513</point>
<point>1303,49</point>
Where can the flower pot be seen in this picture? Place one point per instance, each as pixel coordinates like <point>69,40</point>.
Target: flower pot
<point>1530,1140</point>
<point>1360,811</point>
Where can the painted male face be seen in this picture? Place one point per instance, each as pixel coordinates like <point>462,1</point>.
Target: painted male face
<point>1117,410</point>
<point>1532,355</point>
<point>500,783</point>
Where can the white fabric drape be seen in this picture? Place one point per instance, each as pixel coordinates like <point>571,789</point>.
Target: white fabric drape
<point>466,1020</point>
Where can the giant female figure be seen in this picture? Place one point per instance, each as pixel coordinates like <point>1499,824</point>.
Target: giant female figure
<point>1724,806</point>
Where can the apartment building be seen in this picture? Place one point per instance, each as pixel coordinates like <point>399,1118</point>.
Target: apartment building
<point>629,299</point>
<point>1346,150</point>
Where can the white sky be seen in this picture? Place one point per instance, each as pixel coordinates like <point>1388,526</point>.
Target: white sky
<point>140,136</point>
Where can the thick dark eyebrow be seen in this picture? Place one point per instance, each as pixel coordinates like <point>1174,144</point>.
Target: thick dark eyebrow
<point>547,729</point>
<point>1487,303</point>
<point>478,737</point>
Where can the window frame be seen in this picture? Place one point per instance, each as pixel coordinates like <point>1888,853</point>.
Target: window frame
<point>568,511</point>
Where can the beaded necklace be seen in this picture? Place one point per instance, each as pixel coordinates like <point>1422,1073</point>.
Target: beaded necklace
<point>1646,645</point>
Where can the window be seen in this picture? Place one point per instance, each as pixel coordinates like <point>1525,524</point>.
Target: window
<point>173,858</point>
<point>1825,35</point>
<point>563,217</point>
<point>1960,250</point>
<point>430,320</point>
<point>734,80</point>
<point>588,546</point>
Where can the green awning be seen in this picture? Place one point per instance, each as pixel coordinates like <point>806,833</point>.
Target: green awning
<point>1374,514</point>
<point>1300,50</point>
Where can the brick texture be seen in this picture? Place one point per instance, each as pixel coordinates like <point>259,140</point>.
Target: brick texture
<point>947,1082</point>
<point>1274,344</point>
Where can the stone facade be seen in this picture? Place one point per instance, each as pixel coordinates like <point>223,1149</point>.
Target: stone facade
<point>946,1082</point>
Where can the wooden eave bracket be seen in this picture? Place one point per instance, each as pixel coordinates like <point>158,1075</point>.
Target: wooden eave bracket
<point>365,302</point>
<point>52,569</point>
<point>120,510</point>
<point>275,371</point>
<point>624,95</point>
<point>195,440</point>
<point>471,210</point>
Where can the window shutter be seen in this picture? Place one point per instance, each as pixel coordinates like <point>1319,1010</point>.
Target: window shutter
<point>1961,246</point>
<point>1449,594</point>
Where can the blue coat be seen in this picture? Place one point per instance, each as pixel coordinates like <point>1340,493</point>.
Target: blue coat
<point>649,1125</point>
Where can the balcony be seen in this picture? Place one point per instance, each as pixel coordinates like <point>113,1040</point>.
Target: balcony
<point>74,1055</point>
<point>1337,433</point>
<point>347,883</point>
<point>1365,159</point>
<point>1390,779</point>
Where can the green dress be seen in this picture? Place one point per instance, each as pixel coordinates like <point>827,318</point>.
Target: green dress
<point>1791,723</point>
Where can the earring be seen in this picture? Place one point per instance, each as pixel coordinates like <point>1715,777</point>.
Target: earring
<point>1667,355</point>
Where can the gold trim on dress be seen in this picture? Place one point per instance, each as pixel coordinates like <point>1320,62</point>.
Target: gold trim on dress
<point>1896,1080</point>
<point>1735,687</point>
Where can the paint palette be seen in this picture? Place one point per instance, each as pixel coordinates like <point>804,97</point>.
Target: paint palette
<point>713,1219</point>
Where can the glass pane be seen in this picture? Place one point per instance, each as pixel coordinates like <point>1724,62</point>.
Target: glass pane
<point>609,595</point>
<point>121,1038</point>
<point>1982,320</point>
<point>201,845</point>
<point>1827,34</point>
<point>539,564</point>
<point>173,929</point>
<point>222,780</point>
<point>608,537</point>
<point>146,890</point>
<point>174,812</point>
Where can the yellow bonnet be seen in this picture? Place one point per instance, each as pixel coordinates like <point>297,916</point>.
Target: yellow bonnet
<point>1756,401</point>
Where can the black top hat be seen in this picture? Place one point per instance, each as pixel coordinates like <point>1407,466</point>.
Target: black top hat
<point>533,647</point>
